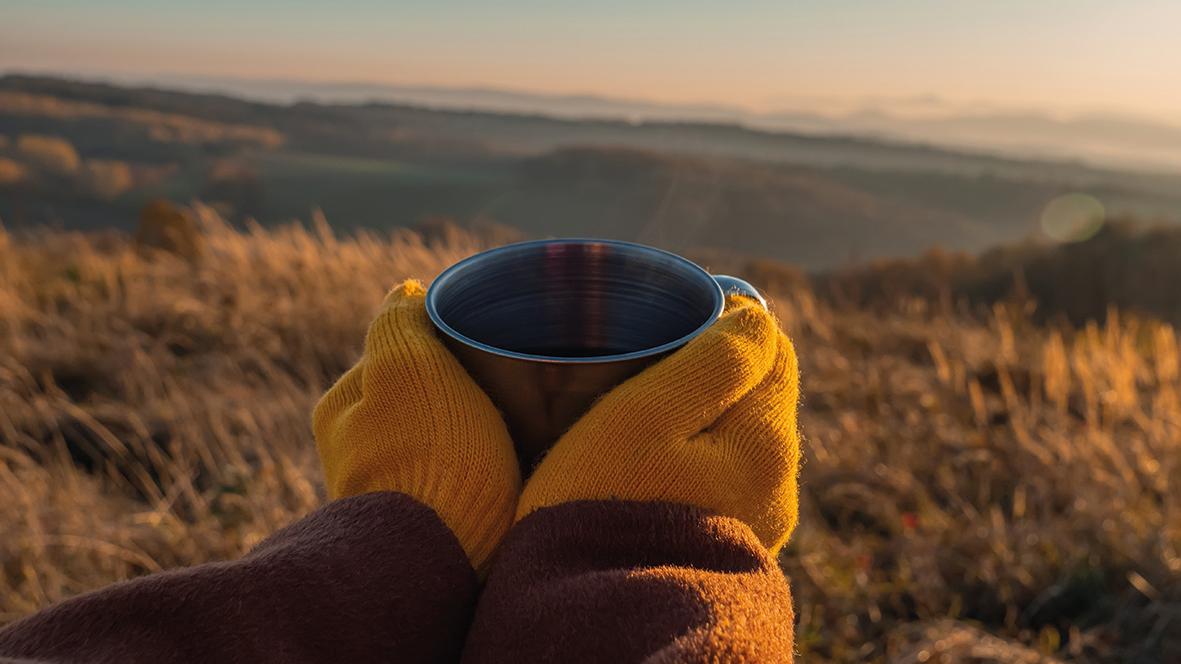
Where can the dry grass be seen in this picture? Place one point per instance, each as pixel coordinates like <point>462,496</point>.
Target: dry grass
<point>976,488</point>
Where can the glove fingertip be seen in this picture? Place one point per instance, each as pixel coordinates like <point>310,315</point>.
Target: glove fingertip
<point>411,288</point>
<point>403,311</point>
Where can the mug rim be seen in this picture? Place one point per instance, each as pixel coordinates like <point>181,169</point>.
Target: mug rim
<point>432,297</point>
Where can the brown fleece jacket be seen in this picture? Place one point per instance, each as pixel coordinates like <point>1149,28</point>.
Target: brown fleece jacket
<point>379,578</point>
<point>612,581</point>
<point>374,578</point>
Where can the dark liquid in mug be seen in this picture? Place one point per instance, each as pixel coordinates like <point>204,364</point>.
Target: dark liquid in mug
<point>575,351</point>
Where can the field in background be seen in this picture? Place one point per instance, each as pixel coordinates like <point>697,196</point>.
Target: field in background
<point>978,486</point>
<point>79,155</point>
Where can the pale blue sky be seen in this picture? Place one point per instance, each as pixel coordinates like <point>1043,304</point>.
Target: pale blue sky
<point>1040,54</point>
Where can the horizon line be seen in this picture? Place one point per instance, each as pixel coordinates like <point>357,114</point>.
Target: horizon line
<point>852,105</point>
<point>784,122</point>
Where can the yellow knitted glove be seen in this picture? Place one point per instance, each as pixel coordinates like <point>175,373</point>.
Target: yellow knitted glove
<point>408,418</point>
<point>713,426</point>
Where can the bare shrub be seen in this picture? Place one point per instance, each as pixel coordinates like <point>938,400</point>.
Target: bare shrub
<point>106,179</point>
<point>12,172</point>
<point>50,153</point>
<point>163,226</point>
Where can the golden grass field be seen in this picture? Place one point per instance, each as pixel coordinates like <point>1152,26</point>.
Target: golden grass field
<point>977,488</point>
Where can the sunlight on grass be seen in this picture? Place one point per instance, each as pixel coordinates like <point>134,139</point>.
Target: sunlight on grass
<point>975,485</point>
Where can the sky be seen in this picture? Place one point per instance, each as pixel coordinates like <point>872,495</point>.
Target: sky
<point>1052,56</point>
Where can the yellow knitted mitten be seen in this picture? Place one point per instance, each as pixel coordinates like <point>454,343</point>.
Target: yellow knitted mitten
<point>713,426</point>
<point>408,418</point>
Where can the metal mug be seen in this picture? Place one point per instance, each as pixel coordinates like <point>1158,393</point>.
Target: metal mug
<point>546,327</point>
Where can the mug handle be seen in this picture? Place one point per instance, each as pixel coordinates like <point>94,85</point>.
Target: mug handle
<point>735,286</point>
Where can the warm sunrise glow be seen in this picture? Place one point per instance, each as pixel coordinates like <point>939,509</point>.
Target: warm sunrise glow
<point>1073,217</point>
<point>1048,56</point>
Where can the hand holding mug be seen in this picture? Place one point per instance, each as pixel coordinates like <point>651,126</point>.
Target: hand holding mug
<point>713,426</point>
<point>408,418</point>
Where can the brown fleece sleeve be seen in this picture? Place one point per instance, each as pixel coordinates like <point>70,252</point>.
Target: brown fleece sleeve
<point>614,581</point>
<point>373,578</point>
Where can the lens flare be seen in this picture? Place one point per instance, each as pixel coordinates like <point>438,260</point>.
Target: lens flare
<point>1073,217</point>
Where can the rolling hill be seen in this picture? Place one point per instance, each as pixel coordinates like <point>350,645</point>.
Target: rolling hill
<point>87,155</point>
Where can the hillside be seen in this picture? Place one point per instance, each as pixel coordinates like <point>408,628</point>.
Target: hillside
<point>1127,265</point>
<point>787,212</point>
<point>1118,139</point>
<point>84,155</point>
<point>977,487</point>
